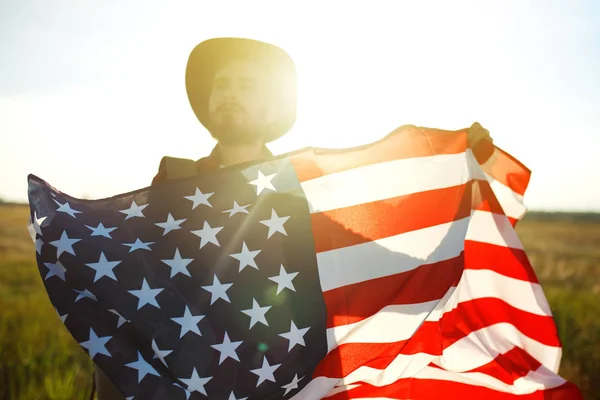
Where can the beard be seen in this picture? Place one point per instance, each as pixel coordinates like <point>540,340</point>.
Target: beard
<point>234,129</point>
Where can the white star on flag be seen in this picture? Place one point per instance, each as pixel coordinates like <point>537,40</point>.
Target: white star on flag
<point>263,182</point>
<point>84,293</point>
<point>100,230</point>
<point>292,385</point>
<point>208,234</point>
<point>284,280</point>
<point>178,264</point>
<point>257,314</point>
<point>295,336</point>
<point>142,367</point>
<point>37,223</point>
<point>199,198</point>
<point>218,290</point>
<point>227,349</point>
<point>62,317</point>
<point>121,319</point>
<point>246,257</point>
<point>237,209</point>
<point>66,208</point>
<point>160,354</point>
<point>33,226</point>
<point>171,224</point>
<point>275,224</point>
<point>188,322</point>
<point>146,295</point>
<point>38,245</point>
<point>31,231</point>
<point>196,384</point>
<point>55,269</point>
<point>265,373</point>
<point>138,244</point>
<point>65,244</point>
<point>134,211</point>
<point>104,268</point>
<point>96,345</point>
<point>232,397</point>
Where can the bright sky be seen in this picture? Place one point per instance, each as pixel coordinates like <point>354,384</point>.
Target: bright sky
<point>92,93</point>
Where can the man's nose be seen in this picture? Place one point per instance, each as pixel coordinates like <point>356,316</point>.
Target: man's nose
<point>229,94</point>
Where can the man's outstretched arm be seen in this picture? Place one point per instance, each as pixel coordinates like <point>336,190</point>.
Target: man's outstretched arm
<point>507,176</point>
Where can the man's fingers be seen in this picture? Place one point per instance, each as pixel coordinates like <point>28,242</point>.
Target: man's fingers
<point>477,133</point>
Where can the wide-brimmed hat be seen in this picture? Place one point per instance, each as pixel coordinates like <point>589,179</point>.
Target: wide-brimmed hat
<point>207,57</point>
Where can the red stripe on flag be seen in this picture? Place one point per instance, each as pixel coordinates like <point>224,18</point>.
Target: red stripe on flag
<point>363,223</point>
<point>484,198</point>
<point>502,166</point>
<point>507,261</point>
<point>510,366</point>
<point>407,141</point>
<point>346,358</point>
<point>476,314</point>
<point>353,303</point>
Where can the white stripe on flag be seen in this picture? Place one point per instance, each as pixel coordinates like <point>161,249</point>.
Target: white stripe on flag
<point>405,319</point>
<point>391,255</point>
<point>492,228</point>
<point>403,366</point>
<point>526,296</point>
<point>511,202</point>
<point>409,250</point>
<point>385,180</point>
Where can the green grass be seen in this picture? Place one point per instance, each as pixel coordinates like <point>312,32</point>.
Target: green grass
<point>38,357</point>
<point>565,253</point>
<point>40,360</point>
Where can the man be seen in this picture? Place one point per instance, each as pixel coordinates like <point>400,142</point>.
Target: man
<point>244,92</point>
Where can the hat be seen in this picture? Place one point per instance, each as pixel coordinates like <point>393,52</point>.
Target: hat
<point>207,57</point>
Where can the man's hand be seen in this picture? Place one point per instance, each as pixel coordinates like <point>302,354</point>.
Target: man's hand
<point>476,133</point>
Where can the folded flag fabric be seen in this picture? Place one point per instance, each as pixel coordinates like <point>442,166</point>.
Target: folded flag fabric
<point>387,271</point>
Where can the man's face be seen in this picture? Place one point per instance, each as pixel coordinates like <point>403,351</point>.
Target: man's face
<point>239,103</point>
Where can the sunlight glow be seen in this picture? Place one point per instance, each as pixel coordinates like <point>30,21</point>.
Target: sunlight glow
<point>100,96</point>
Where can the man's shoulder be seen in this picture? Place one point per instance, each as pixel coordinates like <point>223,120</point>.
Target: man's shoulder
<point>176,167</point>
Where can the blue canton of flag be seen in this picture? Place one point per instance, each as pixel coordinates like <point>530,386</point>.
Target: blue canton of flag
<point>205,287</point>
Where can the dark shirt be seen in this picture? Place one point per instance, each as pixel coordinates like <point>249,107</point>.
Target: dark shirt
<point>205,164</point>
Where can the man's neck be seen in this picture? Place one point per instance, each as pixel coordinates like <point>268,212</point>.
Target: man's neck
<point>240,153</point>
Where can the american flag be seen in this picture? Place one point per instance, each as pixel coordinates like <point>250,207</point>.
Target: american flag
<point>388,271</point>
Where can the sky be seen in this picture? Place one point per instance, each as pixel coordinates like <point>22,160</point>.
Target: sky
<point>92,93</point>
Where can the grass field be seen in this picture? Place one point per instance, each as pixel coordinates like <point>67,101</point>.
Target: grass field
<point>40,360</point>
